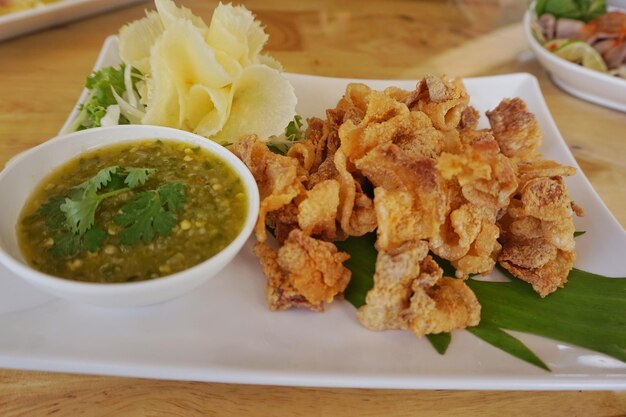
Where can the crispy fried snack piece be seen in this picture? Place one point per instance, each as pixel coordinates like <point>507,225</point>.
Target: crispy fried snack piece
<point>515,129</point>
<point>356,213</point>
<point>390,297</point>
<point>410,292</point>
<point>408,199</point>
<point>441,99</point>
<point>314,268</point>
<point>481,182</point>
<point>280,294</point>
<point>318,211</point>
<point>278,177</point>
<point>538,229</point>
<point>448,305</point>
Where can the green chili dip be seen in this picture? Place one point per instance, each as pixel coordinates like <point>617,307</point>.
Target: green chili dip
<point>180,206</point>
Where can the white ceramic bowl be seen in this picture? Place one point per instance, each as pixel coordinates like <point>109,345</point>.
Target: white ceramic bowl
<point>23,173</point>
<point>584,83</point>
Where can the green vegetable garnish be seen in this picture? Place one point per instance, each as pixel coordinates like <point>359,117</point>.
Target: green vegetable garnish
<point>70,218</point>
<point>584,10</point>
<point>588,312</point>
<point>294,132</point>
<point>150,213</point>
<point>101,84</point>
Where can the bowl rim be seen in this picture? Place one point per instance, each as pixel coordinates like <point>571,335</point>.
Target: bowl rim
<point>540,50</point>
<point>28,273</point>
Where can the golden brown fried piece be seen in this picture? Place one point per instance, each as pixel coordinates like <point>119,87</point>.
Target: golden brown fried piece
<point>314,267</point>
<point>538,229</point>
<point>281,295</point>
<point>469,118</point>
<point>278,177</point>
<point>441,99</point>
<point>318,211</point>
<point>408,199</point>
<point>515,129</point>
<point>410,292</point>
<point>448,305</point>
<point>390,297</point>
<point>481,182</point>
<point>356,213</point>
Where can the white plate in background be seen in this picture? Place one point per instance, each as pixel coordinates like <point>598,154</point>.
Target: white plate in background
<point>30,20</point>
<point>584,83</point>
<point>223,331</point>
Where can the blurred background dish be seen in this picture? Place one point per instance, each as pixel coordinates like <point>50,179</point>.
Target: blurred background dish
<point>590,81</point>
<point>20,19</point>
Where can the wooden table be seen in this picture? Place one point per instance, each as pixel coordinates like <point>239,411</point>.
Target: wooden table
<point>41,76</point>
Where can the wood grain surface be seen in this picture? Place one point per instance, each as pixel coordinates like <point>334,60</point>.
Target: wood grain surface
<point>41,76</point>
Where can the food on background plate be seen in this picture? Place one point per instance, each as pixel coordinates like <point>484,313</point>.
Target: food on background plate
<point>179,72</point>
<point>584,33</point>
<point>12,6</point>
<point>132,212</point>
<point>413,167</point>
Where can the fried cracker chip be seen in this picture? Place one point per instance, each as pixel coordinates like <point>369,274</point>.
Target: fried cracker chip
<point>515,129</point>
<point>281,295</point>
<point>356,210</point>
<point>448,305</point>
<point>389,298</point>
<point>314,267</point>
<point>547,278</point>
<point>318,211</point>
<point>276,176</point>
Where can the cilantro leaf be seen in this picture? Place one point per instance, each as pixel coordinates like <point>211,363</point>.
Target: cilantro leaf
<point>80,214</point>
<point>145,215</point>
<point>138,176</point>
<point>51,209</point>
<point>66,245</point>
<point>173,195</point>
<point>93,239</point>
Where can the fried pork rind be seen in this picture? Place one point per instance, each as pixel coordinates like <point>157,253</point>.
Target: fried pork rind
<point>448,305</point>
<point>408,199</point>
<point>471,196</point>
<point>281,295</point>
<point>410,292</point>
<point>277,177</point>
<point>390,297</point>
<point>441,99</point>
<point>485,180</point>
<point>538,229</point>
<point>318,211</point>
<point>515,129</point>
<point>314,268</point>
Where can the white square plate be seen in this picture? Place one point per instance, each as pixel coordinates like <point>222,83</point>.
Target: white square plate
<point>30,20</point>
<point>224,332</point>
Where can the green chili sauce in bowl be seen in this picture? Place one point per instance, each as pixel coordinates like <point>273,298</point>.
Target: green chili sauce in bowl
<point>135,234</point>
<point>116,217</point>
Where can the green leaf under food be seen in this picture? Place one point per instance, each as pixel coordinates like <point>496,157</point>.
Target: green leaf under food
<point>504,341</point>
<point>362,263</point>
<point>588,312</point>
<point>440,341</point>
<point>579,233</point>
